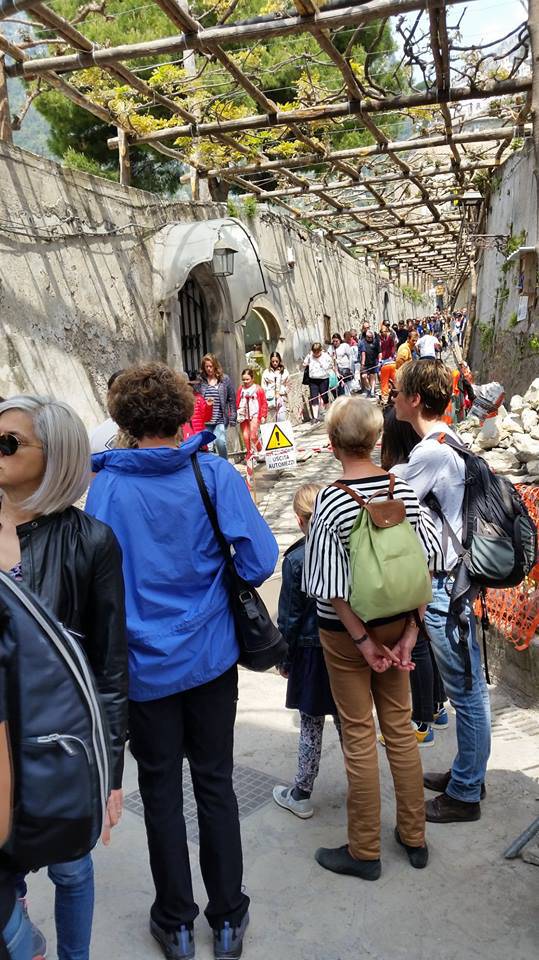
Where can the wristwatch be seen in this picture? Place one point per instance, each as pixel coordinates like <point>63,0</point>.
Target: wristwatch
<point>361,639</point>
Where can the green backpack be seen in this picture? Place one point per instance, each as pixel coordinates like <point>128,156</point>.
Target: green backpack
<point>389,575</point>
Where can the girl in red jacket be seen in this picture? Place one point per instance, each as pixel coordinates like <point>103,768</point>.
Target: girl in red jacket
<point>201,414</point>
<point>252,410</point>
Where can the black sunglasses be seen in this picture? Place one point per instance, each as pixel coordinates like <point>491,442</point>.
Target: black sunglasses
<point>9,444</point>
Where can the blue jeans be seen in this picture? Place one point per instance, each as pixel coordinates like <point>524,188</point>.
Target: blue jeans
<point>219,446</point>
<point>472,706</point>
<point>74,907</point>
<point>18,935</point>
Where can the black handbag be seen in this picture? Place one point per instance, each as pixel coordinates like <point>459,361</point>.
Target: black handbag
<point>261,644</point>
<point>306,378</point>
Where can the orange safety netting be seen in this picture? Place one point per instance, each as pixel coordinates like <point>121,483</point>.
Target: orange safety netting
<point>515,611</point>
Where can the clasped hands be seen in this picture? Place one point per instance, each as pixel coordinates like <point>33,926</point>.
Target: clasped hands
<point>380,658</point>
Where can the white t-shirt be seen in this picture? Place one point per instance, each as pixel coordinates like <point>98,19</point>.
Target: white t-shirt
<point>103,437</point>
<point>342,356</point>
<point>426,346</point>
<point>435,468</point>
<point>319,367</point>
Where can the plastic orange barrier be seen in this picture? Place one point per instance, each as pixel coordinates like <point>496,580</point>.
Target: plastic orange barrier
<point>515,611</point>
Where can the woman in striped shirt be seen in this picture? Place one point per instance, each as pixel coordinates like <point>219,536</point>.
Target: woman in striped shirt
<point>360,670</point>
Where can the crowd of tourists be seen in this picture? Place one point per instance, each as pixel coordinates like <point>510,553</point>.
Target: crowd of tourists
<point>140,580</point>
<point>365,363</point>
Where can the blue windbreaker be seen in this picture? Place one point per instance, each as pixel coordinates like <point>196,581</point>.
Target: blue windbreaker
<point>180,627</point>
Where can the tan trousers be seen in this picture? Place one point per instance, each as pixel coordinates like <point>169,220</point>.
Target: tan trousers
<point>354,687</point>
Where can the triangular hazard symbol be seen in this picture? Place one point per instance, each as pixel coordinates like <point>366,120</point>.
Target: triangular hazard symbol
<point>278,440</point>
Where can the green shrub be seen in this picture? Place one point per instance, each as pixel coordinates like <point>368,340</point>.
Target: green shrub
<point>79,161</point>
<point>250,206</point>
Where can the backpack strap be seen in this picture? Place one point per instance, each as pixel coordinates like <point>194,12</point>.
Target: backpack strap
<point>448,533</point>
<point>361,500</point>
<point>356,496</point>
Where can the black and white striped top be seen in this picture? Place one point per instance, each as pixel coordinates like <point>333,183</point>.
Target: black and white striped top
<point>212,393</point>
<point>326,571</point>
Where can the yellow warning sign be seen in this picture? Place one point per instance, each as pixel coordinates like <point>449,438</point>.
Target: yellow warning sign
<point>278,440</point>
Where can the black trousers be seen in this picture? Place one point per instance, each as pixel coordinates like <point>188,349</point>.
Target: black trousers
<point>425,681</point>
<point>197,724</point>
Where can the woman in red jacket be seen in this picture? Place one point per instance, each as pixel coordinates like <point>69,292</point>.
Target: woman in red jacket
<point>202,412</point>
<point>252,410</point>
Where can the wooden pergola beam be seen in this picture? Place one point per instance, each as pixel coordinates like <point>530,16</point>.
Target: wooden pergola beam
<point>315,188</point>
<point>262,28</point>
<point>362,153</point>
<point>336,111</point>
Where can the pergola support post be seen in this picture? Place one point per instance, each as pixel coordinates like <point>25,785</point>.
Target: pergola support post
<point>6,132</point>
<point>124,157</point>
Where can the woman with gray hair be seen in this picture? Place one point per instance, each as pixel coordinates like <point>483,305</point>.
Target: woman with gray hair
<point>72,562</point>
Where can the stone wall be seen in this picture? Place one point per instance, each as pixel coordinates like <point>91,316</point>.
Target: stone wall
<point>76,260</point>
<point>503,349</point>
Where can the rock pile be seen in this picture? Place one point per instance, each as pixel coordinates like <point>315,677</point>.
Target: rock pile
<point>509,442</point>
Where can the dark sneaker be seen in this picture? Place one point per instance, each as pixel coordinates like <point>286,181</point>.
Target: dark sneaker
<point>418,856</point>
<point>340,860</point>
<point>39,944</point>
<point>445,809</point>
<point>175,944</point>
<point>228,940</point>
<point>437,782</point>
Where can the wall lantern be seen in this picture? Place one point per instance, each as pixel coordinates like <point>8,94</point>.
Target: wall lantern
<point>222,264</point>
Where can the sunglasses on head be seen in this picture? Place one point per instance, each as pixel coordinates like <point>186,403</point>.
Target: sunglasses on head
<point>9,444</point>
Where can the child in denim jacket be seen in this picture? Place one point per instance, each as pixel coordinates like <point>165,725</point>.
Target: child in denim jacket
<point>308,687</point>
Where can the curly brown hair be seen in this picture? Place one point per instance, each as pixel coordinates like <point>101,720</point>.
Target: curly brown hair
<point>150,400</point>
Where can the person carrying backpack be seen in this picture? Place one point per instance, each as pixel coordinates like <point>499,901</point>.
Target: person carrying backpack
<point>72,563</point>
<point>361,667</point>
<point>424,389</point>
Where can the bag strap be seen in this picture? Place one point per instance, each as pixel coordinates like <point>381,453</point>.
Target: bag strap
<point>448,533</point>
<point>356,496</point>
<point>361,500</point>
<point>210,510</point>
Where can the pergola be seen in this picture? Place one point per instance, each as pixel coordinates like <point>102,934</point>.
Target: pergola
<point>414,201</point>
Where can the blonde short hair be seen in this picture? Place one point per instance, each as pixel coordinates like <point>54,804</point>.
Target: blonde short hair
<point>354,425</point>
<point>304,499</point>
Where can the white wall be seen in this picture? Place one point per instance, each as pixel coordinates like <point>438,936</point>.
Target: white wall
<point>76,281</point>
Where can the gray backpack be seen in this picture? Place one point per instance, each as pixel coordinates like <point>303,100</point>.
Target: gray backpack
<point>58,736</point>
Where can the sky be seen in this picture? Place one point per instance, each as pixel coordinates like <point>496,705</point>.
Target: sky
<point>485,20</point>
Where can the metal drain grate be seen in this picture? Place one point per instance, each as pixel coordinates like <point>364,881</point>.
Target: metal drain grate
<point>253,790</point>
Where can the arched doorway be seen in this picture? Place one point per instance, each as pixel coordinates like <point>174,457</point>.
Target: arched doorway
<point>261,336</point>
<point>193,319</point>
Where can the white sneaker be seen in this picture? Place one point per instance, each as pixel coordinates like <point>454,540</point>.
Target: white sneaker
<point>300,808</point>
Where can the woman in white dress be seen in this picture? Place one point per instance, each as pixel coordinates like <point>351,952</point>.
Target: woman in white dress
<point>275,385</point>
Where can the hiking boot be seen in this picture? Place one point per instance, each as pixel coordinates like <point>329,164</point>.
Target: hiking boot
<point>228,941</point>
<point>418,856</point>
<point>445,809</point>
<point>175,944</point>
<point>441,719</point>
<point>39,943</point>
<point>300,808</point>
<point>437,782</point>
<point>340,860</point>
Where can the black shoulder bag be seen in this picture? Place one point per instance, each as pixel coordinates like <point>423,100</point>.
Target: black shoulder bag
<point>261,644</point>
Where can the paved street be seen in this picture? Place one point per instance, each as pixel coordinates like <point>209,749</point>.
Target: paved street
<point>469,903</point>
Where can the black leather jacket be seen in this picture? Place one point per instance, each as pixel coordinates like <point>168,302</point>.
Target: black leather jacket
<point>73,563</point>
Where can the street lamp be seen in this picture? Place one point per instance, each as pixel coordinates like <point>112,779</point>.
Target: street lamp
<point>222,264</point>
